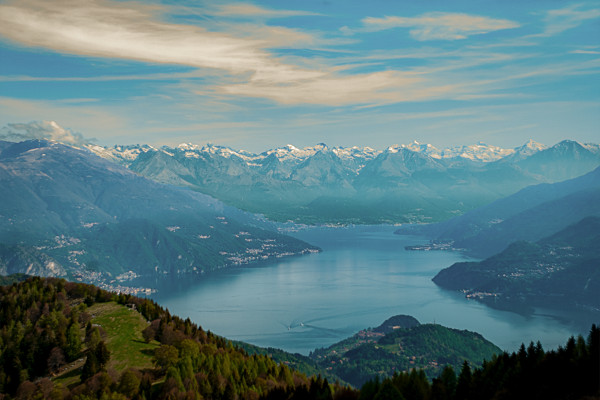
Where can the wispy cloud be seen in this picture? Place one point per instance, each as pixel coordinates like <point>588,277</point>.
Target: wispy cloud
<point>440,26</point>
<point>102,28</point>
<point>241,55</point>
<point>42,130</point>
<point>585,52</point>
<point>126,30</point>
<point>251,10</point>
<point>560,20</point>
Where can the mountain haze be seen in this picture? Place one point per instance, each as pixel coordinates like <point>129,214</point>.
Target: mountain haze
<point>529,214</point>
<point>406,183</point>
<point>86,216</point>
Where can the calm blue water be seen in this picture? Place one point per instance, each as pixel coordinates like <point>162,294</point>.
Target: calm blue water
<point>362,277</point>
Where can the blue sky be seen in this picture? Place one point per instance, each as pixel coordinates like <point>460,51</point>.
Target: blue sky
<point>257,75</point>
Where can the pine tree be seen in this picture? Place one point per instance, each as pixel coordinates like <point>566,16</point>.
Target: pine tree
<point>73,346</point>
<point>465,380</point>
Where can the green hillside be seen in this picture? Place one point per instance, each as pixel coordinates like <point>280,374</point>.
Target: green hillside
<point>70,340</point>
<point>430,347</point>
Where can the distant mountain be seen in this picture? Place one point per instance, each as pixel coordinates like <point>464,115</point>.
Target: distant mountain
<point>530,214</point>
<point>562,269</point>
<point>565,160</point>
<point>522,152</point>
<point>319,184</point>
<point>401,344</point>
<point>67,212</point>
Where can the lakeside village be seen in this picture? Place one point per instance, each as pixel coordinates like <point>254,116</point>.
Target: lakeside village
<point>113,285</point>
<point>336,356</point>
<point>447,245</point>
<point>266,249</point>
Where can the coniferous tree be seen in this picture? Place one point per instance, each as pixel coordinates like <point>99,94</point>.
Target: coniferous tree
<point>388,391</point>
<point>73,345</point>
<point>464,383</point>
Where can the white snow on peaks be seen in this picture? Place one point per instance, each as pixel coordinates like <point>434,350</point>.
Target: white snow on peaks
<point>478,152</point>
<point>530,148</point>
<point>355,152</point>
<point>354,157</point>
<point>194,151</point>
<point>428,149</point>
<point>292,153</point>
<point>121,154</point>
<point>594,148</point>
<point>188,146</point>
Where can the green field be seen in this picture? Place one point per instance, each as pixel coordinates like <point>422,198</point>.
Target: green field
<point>123,327</point>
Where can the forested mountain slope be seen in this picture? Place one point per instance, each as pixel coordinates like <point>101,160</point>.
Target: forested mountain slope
<point>560,270</point>
<point>67,212</point>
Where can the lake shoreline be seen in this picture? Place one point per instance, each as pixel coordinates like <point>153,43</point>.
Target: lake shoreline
<point>362,277</point>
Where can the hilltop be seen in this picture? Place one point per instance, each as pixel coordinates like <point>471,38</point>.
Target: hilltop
<point>399,345</point>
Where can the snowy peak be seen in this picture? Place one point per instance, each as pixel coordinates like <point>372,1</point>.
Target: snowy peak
<point>124,155</point>
<point>530,148</point>
<point>190,150</point>
<point>354,158</point>
<point>477,152</point>
<point>426,148</point>
<point>290,153</point>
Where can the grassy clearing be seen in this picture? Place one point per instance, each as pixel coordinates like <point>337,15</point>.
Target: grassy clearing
<point>123,327</point>
<point>124,339</point>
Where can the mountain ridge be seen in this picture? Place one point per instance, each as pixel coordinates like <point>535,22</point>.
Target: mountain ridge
<point>82,215</point>
<point>477,152</point>
<point>402,184</point>
<point>557,270</point>
<point>523,215</point>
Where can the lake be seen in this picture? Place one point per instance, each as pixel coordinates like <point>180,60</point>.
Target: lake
<point>362,277</point>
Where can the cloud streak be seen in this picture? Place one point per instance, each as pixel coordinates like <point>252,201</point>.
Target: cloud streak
<point>251,10</point>
<point>238,59</point>
<point>375,88</point>
<point>102,28</point>
<point>560,20</point>
<point>440,26</point>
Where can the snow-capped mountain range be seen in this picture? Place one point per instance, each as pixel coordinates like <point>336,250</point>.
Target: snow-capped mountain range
<point>403,183</point>
<point>290,153</point>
